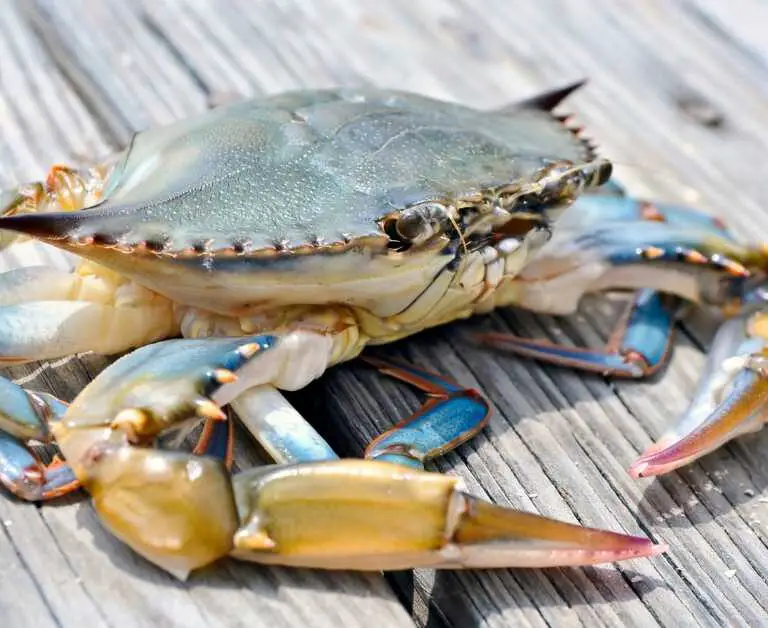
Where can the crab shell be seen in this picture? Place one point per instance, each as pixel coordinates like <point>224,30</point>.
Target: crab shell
<point>356,197</point>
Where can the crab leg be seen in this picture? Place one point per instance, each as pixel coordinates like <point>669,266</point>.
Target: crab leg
<point>28,416</point>
<point>49,313</point>
<point>638,347</point>
<point>217,440</point>
<point>608,204</point>
<point>285,435</point>
<point>451,416</point>
<point>731,400</point>
<point>620,243</point>
<point>22,473</point>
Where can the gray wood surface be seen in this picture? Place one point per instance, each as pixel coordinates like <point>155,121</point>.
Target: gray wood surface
<point>678,97</point>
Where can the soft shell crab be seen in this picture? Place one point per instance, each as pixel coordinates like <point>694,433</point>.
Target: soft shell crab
<point>279,237</point>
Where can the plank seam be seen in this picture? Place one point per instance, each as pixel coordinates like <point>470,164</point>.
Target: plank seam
<point>154,28</point>
<point>32,576</point>
<point>82,87</point>
<point>70,566</point>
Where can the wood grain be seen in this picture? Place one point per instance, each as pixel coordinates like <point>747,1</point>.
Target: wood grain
<point>678,98</point>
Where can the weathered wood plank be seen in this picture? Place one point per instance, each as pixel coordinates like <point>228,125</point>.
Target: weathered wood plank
<point>559,443</point>
<point>741,24</point>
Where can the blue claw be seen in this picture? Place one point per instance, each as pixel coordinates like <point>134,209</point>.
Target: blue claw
<point>639,346</point>
<point>169,381</point>
<point>730,400</point>
<point>19,414</point>
<point>623,231</point>
<point>676,254</point>
<point>450,417</point>
<point>25,416</point>
<point>29,479</point>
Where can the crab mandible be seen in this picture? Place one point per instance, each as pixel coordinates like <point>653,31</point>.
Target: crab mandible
<point>279,237</point>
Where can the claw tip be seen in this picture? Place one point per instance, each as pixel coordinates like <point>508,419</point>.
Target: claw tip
<point>224,376</point>
<point>638,469</point>
<point>658,548</point>
<point>131,420</point>
<point>209,410</point>
<point>249,350</point>
<point>258,343</point>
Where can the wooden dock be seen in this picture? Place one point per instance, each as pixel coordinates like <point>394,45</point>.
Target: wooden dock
<point>678,98</point>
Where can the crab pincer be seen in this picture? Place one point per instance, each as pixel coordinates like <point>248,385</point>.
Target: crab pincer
<point>174,508</point>
<point>731,399</point>
<point>28,416</point>
<point>371,515</point>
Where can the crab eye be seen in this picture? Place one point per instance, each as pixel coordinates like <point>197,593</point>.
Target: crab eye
<point>419,223</point>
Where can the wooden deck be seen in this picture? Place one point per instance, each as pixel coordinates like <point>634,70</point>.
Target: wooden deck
<point>678,98</point>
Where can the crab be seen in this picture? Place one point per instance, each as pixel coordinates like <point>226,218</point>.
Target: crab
<point>246,251</point>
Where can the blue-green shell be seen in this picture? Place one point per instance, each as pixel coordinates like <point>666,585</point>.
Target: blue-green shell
<point>312,167</point>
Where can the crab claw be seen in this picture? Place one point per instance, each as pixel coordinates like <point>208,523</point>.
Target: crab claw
<point>156,388</point>
<point>372,515</point>
<point>173,508</point>
<point>732,398</point>
<point>22,414</point>
<point>22,473</point>
<point>25,416</point>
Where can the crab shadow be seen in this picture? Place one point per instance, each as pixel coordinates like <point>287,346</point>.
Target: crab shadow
<point>474,598</point>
